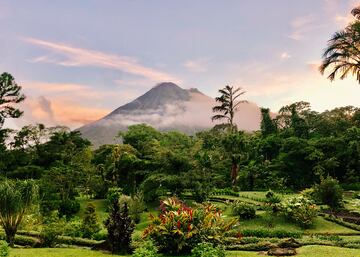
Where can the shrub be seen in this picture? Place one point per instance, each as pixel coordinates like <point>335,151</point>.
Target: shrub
<point>49,235</point>
<point>179,228</point>
<point>273,201</point>
<point>329,192</point>
<point>4,249</point>
<point>300,210</point>
<point>263,233</point>
<point>119,227</point>
<point>73,227</point>
<point>243,210</point>
<point>68,208</point>
<point>90,224</point>
<point>100,235</point>
<point>207,250</point>
<point>137,206</point>
<point>147,249</point>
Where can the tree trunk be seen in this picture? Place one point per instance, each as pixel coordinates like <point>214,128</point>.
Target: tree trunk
<point>10,236</point>
<point>234,173</point>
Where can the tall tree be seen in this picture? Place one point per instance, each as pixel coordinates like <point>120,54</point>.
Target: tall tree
<point>342,55</point>
<point>9,95</point>
<point>15,199</point>
<point>268,126</point>
<point>228,105</point>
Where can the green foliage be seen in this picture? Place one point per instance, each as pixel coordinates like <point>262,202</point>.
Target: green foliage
<point>16,197</point>
<point>68,208</point>
<point>146,249</point>
<point>119,227</point>
<point>90,222</point>
<point>300,210</point>
<point>179,228</point>
<point>9,95</point>
<point>243,210</point>
<point>49,235</point>
<point>273,201</point>
<point>329,192</point>
<point>268,126</point>
<point>207,250</point>
<point>4,249</point>
<point>263,233</point>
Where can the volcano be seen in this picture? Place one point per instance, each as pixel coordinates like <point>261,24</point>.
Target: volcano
<point>166,107</point>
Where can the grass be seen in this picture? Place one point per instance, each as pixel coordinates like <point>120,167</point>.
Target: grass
<point>322,226</point>
<point>56,252</point>
<point>306,251</point>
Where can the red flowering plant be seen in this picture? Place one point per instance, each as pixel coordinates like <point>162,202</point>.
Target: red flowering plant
<point>179,228</point>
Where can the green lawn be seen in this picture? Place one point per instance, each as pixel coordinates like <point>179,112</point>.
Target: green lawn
<point>56,252</point>
<point>306,251</point>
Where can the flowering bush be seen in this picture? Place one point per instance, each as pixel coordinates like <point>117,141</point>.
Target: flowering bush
<point>179,228</point>
<point>243,210</point>
<point>300,209</point>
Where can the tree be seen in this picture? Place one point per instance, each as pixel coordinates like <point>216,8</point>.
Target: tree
<point>235,145</point>
<point>90,224</point>
<point>16,197</point>
<point>9,95</point>
<point>228,105</point>
<point>268,126</point>
<point>119,227</point>
<point>342,55</point>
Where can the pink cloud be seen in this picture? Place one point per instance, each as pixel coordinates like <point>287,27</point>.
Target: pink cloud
<point>66,55</point>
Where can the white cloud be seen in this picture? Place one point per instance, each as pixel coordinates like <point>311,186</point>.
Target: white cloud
<point>66,55</point>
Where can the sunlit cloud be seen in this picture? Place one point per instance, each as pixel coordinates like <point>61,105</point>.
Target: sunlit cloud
<point>285,55</point>
<point>66,55</point>
<point>58,111</point>
<point>303,25</point>
<point>197,65</point>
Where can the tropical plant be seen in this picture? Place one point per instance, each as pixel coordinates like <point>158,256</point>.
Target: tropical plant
<point>342,55</point>
<point>16,198</point>
<point>179,228</point>
<point>229,104</point>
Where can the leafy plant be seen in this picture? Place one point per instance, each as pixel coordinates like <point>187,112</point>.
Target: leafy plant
<point>300,210</point>
<point>49,234</point>
<point>147,249</point>
<point>180,228</point>
<point>243,210</point>
<point>273,201</point>
<point>4,249</point>
<point>207,250</point>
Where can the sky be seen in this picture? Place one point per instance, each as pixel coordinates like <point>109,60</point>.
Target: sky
<point>79,60</point>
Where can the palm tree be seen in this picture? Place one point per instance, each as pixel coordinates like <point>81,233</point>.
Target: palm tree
<point>342,55</point>
<point>15,199</point>
<point>228,105</point>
